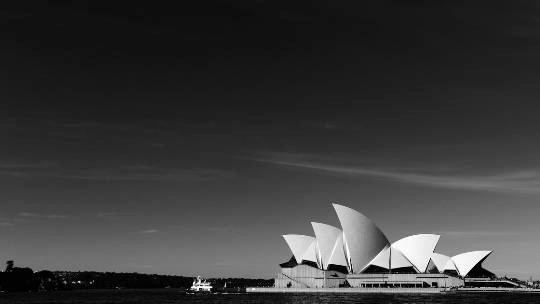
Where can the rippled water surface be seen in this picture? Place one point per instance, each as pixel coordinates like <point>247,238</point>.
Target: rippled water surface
<point>164,296</point>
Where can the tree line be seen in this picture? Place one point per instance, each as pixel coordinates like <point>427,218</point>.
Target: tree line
<point>19,279</point>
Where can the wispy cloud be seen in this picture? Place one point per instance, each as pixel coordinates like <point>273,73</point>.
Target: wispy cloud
<point>20,165</point>
<point>117,173</point>
<point>141,173</point>
<point>132,128</point>
<point>6,224</point>
<point>24,169</point>
<point>42,215</point>
<point>149,231</point>
<point>150,173</point>
<point>526,181</point>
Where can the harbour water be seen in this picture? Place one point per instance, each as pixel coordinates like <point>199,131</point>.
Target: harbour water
<point>170,296</point>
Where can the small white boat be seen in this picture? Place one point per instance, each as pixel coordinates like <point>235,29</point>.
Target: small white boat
<point>200,286</point>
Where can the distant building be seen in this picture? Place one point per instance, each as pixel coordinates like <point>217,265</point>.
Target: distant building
<point>360,255</point>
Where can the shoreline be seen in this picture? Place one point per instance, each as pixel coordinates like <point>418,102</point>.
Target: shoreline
<point>391,290</point>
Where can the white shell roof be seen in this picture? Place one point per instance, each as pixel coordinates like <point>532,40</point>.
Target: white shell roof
<point>450,265</point>
<point>391,257</point>
<point>466,261</point>
<point>298,244</point>
<point>398,259</point>
<point>439,260</point>
<point>311,253</point>
<point>362,243</point>
<point>382,259</point>
<point>418,249</point>
<point>363,239</point>
<point>326,237</point>
<point>338,256</point>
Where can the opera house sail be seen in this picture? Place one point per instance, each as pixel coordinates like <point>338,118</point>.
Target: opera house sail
<point>362,238</point>
<point>358,254</point>
<point>329,241</point>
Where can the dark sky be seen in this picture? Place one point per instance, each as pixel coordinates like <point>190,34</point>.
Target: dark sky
<point>187,139</point>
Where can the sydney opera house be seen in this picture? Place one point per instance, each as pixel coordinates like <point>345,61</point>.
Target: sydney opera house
<point>360,255</point>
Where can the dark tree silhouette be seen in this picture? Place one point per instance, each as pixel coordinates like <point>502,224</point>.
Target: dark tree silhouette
<point>9,265</point>
<point>17,279</point>
<point>46,280</point>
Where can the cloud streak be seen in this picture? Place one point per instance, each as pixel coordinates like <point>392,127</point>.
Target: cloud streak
<point>118,173</point>
<point>515,181</point>
<point>41,215</point>
<point>149,231</point>
<point>148,174</point>
<point>15,165</point>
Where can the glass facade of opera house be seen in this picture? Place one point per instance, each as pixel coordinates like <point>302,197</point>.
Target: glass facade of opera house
<point>359,255</point>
